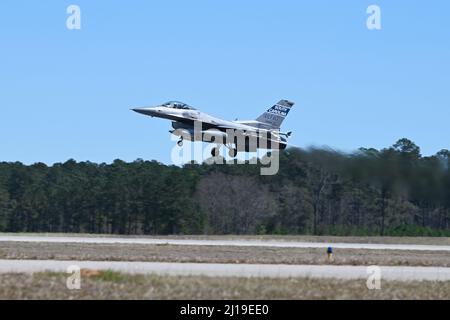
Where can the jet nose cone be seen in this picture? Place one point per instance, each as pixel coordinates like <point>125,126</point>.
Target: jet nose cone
<point>148,111</point>
<point>139,110</point>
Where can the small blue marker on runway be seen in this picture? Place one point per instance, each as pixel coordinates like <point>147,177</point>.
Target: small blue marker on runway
<point>330,254</point>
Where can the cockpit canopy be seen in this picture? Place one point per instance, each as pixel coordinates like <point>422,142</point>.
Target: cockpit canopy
<point>177,105</point>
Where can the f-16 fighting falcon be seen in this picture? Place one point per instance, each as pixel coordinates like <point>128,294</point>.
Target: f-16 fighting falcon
<point>238,136</point>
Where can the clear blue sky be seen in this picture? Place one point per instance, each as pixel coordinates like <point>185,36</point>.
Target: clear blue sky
<point>66,94</point>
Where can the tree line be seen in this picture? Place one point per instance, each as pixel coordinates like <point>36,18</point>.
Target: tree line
<point>393,191</point>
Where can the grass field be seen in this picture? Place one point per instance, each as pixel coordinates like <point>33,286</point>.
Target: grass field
<point>218,254</point>
<point>111,285</point>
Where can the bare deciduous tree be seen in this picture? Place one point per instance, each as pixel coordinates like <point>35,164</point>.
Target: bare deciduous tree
<point>234,204</point>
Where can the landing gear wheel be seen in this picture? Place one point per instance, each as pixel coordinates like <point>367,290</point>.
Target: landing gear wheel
<point>215,152</point>
<point>232,153</point>
<point>180,143</point>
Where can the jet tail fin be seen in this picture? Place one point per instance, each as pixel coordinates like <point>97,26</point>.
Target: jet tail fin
<point>275,115</point>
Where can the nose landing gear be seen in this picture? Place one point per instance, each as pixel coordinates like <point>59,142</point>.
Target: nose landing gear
<point>180,142</point>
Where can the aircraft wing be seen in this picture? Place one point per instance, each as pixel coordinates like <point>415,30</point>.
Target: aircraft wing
<point>235,126</point>
<point>274,137</point>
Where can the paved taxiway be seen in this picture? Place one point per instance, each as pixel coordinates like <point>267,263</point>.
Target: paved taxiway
<point>230,270</point>
<point>220,242</point>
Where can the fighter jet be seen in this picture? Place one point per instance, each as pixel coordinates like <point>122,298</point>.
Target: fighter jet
<point>238,136</point>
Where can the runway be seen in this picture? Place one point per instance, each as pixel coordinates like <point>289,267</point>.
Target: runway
<point>239,243</point>
<point>230,270</point>
<point>401,273</point>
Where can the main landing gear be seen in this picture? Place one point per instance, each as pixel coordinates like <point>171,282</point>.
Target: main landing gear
<point>232,152</point>
<point>215,152</point>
